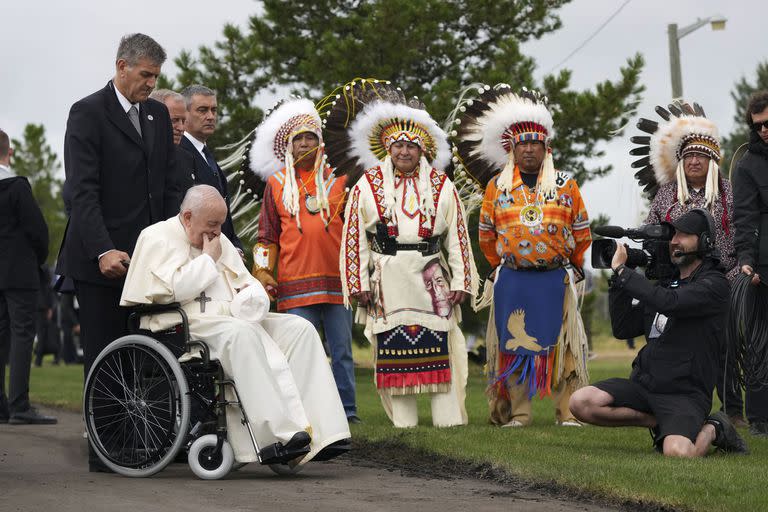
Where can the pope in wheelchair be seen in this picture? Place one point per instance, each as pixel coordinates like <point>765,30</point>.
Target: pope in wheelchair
<point>275,401</point>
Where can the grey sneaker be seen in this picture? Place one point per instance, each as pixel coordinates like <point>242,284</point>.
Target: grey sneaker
<point>726,437</point>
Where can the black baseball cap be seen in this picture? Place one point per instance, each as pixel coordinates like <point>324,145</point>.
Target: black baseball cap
<point>693,222</point>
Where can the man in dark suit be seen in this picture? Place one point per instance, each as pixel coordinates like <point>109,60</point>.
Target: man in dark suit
<point>185,161</point>
<point>202,109</point>
<point>23,249</point>
<point>118,157</point>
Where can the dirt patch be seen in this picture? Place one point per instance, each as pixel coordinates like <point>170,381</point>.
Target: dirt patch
<point>419,463</point>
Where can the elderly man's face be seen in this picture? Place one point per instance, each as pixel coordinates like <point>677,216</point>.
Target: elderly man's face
<point>405,156</point>
<point>201,116</point>
<point>695,166</point>
<point>178,113</point>
<point>303,147</point>
<point>437,287</point>
<point>683,242</point>
<point>529,155</point>
<point>136,82</point>
<point>205,222</point>
<point>761,118</point>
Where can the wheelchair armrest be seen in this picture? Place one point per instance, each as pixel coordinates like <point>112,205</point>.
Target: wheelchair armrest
<point>153,309</point>
<point>137,312</point>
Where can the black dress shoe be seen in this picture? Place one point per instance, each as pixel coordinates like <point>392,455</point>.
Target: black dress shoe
<point>31,417</point>
<point>354,420</point>
<point>333,450</point>
<point>299,440</point>
<point>280,453</point>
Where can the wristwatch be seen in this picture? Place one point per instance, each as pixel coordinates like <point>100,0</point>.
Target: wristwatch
<point>617,270</point>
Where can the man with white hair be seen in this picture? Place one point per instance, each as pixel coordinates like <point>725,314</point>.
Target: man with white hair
<point>276,361</point>
<point>184,176</point>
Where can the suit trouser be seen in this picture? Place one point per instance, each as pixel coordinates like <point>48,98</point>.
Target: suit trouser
<point>17,334</point>
<point>102,321</point>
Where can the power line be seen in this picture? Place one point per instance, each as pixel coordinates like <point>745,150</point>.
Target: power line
<point>587,40</point>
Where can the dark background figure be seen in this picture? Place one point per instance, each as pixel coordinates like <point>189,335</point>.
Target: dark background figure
<point>23,248</point>
<point>750,217</point>
<point>118,157</point>
<point>68,326</point>
<point>202,111</point>
<point>46,322</point>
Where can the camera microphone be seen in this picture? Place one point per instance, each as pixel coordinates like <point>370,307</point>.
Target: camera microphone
<point>655,231</point>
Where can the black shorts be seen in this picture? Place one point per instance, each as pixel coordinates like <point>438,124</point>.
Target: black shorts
<point>680,415</point>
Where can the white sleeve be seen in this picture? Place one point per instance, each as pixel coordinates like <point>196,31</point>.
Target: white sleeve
<point>194,277</point>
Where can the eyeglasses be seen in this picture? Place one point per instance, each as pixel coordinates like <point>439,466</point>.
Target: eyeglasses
<point>760,125</point>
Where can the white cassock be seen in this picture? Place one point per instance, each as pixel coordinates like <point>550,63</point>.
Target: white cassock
<point>276,360</point>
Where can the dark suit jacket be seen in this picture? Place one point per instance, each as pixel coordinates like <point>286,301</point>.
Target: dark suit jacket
<point>204,176</point>
<point>184,175</point>
<point>23,235</point>
<point>117,183</point>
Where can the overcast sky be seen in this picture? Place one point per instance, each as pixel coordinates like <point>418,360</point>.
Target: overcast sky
<point>54,53</point>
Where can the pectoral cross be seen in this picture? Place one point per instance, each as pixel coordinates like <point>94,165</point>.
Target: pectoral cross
<point>202,299</point>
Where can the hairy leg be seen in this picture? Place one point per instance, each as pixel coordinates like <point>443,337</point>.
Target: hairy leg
<point>592,405</point>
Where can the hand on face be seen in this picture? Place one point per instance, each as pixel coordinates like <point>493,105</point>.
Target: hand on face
<point>212,246</point>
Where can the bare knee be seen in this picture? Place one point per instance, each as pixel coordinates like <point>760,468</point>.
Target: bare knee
<point>679,446</point>
<point>585,400</point>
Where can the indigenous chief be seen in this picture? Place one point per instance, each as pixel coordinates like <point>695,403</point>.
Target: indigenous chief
<point>276,361</point>
<point>533,223</point>
<point>400,216</point>
<point>750,201</point>
<point>118,160</point>
<point>680,173</point>
<point>670,388</point>
<point>300,231</point>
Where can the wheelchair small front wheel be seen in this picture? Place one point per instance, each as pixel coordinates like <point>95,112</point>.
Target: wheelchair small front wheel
<point>208,463</point>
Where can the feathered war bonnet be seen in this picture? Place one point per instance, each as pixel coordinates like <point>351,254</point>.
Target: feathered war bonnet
<point>488,127</point>
<point>272,150</point>
<point>363,118</point>
<point>684,130</point>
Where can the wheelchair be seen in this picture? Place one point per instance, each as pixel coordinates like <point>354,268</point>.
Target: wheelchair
<point>144,409</point>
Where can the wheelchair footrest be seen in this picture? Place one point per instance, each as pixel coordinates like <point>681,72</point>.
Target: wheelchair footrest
<point>280,454</point>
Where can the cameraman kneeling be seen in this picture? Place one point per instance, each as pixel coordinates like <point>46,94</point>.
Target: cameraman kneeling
<point>670,388</point>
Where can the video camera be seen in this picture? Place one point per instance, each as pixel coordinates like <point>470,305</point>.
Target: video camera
<point>654,255</point>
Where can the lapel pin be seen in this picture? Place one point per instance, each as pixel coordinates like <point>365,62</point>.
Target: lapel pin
<point>149,117</point>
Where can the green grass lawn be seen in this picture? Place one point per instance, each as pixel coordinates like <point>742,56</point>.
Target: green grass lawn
<point>617,464</point>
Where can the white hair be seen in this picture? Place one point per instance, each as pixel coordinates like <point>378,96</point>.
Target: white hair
<point>199,198</point>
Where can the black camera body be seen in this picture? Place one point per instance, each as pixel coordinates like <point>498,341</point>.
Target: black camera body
<point>654,255</point>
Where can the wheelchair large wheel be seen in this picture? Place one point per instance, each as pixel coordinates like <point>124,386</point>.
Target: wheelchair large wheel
<point>136,404</point>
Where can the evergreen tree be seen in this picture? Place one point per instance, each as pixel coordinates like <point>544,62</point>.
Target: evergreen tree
<point>34,159</point>
<point>431,48</point>
<point>740,94</point>
<point>233,68</point>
